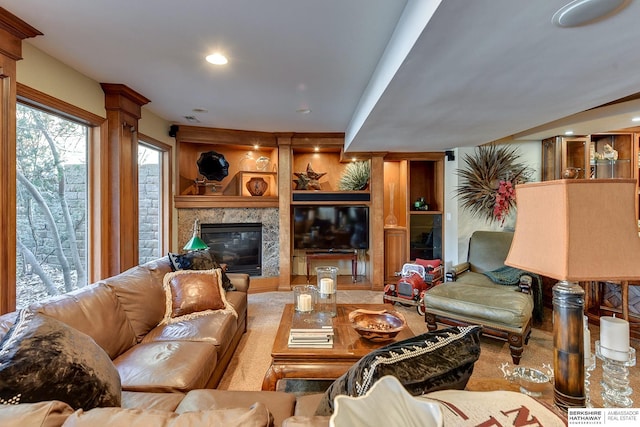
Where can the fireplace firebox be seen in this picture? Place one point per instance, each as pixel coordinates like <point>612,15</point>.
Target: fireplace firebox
<point>238,245</point>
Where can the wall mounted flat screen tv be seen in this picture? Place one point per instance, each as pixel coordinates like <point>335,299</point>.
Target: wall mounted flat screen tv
<point>330,227</point>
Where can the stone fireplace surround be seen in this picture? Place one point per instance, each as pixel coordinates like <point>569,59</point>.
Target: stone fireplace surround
<point>268,217</point>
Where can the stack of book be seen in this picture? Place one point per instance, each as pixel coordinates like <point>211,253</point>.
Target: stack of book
<point>311,330</point>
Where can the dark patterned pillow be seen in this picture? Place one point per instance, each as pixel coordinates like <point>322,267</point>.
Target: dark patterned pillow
<point>437,360</point>
<point>199,260</point>
<point>43,359</point>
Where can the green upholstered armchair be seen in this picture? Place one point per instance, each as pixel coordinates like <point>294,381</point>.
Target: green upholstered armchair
<point>470,296</point>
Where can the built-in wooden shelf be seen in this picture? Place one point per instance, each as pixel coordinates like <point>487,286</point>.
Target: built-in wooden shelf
<point>214,201</point>
<point>425,212</point>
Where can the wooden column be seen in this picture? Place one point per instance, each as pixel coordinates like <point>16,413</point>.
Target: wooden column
<point>120,242</point>
<point>376,222</point>
<point>285,171</point>
<point>12,32</point>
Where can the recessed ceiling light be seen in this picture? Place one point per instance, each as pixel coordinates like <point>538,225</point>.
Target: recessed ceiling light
<point>635,119</point>
<point>582,12</point>
<point>217,59</point>
<point>316,149</point>
<point>569,132</point>
<point>303,110</point>
<point>200,110</point>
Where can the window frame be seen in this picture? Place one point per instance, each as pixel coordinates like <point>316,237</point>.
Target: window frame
<point>96,132</point>
<point>166,154</point>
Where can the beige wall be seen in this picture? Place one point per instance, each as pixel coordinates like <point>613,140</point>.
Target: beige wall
<point>459,224</point>
<point>45,73</point>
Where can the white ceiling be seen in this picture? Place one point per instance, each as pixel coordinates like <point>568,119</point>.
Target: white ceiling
<point>394,75</point>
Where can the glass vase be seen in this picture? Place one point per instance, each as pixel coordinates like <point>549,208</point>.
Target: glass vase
<point>327,287</point>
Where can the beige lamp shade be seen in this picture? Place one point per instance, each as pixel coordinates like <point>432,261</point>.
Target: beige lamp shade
<point>577,230</point>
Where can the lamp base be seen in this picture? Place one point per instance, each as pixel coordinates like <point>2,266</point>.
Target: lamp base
<point>568,348</point>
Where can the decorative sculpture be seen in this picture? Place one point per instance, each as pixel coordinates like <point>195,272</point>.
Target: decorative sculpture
<point>308,180</point>
<point>213,165</point>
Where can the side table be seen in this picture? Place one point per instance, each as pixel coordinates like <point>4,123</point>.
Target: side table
<point>331,255</point>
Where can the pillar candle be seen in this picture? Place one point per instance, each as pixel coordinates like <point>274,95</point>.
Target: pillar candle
<point>326,285</point>
<point>304,302</point>
<point>614,335</point>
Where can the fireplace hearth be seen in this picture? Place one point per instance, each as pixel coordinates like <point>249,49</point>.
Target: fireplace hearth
<point>239,245</point>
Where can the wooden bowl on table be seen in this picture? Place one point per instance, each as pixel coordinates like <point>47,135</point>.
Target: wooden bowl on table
<point>377,326</point>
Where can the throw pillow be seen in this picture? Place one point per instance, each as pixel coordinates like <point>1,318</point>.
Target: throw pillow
<point>428,264</point>
<point>193,293</point>
<point>437,360</point>
<point>43,359</point>
<point>199,260</point>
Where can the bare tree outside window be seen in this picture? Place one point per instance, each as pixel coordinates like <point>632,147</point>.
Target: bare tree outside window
<point>51,205</point>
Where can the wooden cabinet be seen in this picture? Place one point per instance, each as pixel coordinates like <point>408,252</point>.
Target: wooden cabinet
<point>418,177</point>
<point>395,246</point>
<point>425,209</point>
<point>591,157</point>
<point>560,154</point>
<point>604,164</point>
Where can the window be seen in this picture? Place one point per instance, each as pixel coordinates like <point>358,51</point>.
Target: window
<point>51,205</point>
<point>153,209</point>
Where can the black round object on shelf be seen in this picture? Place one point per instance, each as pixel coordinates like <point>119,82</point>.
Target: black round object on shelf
<point>212,165</point>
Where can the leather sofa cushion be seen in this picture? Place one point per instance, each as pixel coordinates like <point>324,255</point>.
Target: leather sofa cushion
<point>240,281</point>
<point>167,366</point>
<point>96,311</point>
<point>488,250</point>
<point>50,413</point>
<point>256,415</point>
<point>238,301</point>
<point>280,404</point>
<point>479,279</point>
<point>311,421</point>
<point>504,304</point>
<point>306,404</point>
<point>141,296</point>
<point>217,328</point>
<point>159,401</point>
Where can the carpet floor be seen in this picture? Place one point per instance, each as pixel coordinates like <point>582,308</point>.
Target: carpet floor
<point>253,356</point>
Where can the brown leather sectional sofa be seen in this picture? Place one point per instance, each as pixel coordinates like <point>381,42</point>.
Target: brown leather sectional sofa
<point>170,368</point>
<point>122,314</point>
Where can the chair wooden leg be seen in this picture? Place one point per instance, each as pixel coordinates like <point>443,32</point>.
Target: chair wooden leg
<point>430,319</point>
<point>516,347</point>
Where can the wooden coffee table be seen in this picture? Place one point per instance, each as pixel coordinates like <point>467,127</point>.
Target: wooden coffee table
<point>322,363</point>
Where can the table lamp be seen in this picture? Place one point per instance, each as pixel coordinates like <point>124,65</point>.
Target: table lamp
<point>575,230</point>
<point>195,243</point>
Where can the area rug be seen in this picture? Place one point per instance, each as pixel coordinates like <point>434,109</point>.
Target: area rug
<point>253,356</point>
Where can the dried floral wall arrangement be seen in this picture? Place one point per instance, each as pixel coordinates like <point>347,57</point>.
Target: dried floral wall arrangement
<point>488,183</point>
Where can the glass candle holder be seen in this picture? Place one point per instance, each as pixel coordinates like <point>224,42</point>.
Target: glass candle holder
<point>327,287</point>
<point>304,298</point>
<point>615,376</point>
